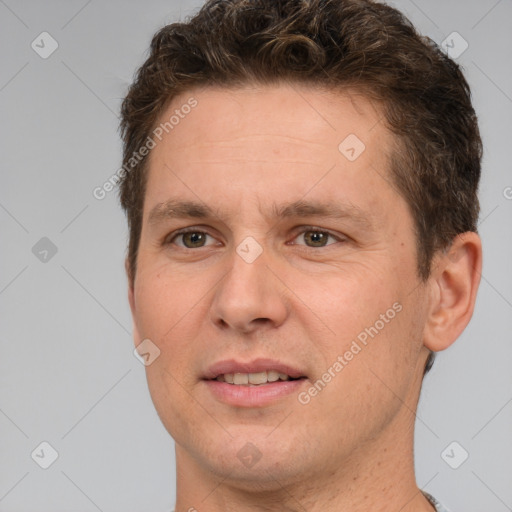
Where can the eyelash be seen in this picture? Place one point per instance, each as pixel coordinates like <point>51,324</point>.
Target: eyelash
<point>304,229</point>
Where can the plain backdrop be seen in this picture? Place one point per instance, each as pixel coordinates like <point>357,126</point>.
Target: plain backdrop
<point>68,376</point>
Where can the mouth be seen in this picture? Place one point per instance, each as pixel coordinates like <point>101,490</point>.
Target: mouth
<point>254,379</point>
<point>253,384</point>
<point>256,372</point>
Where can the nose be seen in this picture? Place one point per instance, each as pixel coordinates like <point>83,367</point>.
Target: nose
<point>249,297</point>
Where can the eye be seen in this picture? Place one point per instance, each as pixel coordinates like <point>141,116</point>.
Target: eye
<point>190,239</point>
<point>313,237</point>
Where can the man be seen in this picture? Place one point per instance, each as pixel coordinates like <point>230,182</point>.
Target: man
<point>300,183</point>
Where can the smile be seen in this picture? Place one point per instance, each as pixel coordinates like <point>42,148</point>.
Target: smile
<point>253,379</point>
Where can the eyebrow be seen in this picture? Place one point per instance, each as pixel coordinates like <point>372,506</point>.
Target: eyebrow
<point>303,208</point>
<point>174,209</point>
<point>178,209</point>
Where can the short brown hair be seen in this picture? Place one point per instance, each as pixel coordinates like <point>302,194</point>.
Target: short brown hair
<point>339,44</point>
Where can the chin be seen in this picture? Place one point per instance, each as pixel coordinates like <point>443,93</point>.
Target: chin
<point>254,454</point>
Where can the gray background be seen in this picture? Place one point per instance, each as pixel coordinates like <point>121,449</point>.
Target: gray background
<point>67,372</point>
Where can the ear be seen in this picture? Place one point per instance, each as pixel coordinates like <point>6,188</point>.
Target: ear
<point>131,300</point>
<point>453,284</point>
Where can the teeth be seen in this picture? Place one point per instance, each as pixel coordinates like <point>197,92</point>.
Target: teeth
<point>255,378</point>
<point>241,378</point>
<point>252,378</point>
<point>272,376</point>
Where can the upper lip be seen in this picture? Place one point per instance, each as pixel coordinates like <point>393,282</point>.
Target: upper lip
<point>254,366</point>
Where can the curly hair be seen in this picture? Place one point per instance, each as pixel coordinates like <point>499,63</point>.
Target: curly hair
<point>338,44</point>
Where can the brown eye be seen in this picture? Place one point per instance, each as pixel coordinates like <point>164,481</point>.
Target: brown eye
<point>191,239</point>
<point>316,238</point>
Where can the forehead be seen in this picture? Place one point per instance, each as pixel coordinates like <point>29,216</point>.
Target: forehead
<point>270,142</point>
<point>302,114</point>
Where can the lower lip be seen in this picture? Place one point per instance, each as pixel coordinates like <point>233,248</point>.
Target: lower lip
<point>253,396</point>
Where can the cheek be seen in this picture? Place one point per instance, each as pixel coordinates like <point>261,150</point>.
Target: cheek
<point>350,300</point>
<point>167,314</point>
<point>171,309</point>
<point>162,298</point>
<point>374,323</point>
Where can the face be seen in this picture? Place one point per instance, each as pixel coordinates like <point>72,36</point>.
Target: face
<point>298,257</point>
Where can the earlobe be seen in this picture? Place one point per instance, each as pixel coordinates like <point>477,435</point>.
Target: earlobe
<point>455,279</point>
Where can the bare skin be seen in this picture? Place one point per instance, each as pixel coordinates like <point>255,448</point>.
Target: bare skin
<point>318,283</point>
